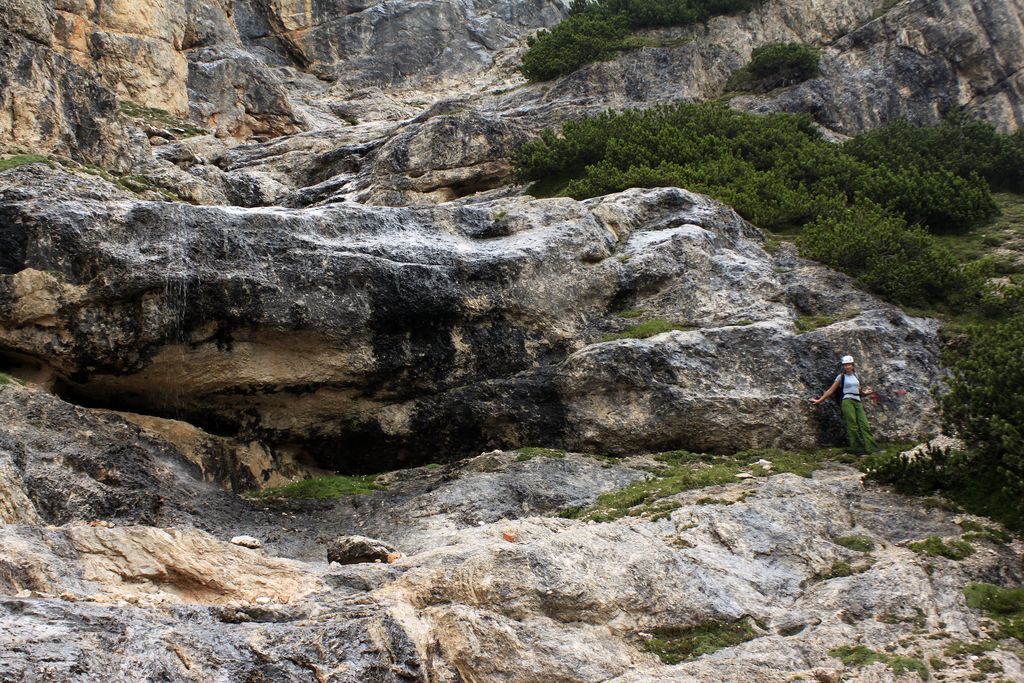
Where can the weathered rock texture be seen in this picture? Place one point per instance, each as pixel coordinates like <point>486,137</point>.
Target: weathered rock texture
<point>919,61</point>
<point>371,336</point>
<point>359,549</point>
<point>375,43</point>
<point>60,463</point>
<point>224,348</point>
<point>420,102</point>
<point>478,596</point>
<point>47,103</point>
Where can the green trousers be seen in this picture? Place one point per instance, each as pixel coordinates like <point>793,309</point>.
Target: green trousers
<point>857,430</point>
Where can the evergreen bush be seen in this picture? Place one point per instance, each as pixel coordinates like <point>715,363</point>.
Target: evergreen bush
<point>900,262</point>
<point>958,145</point>
<point>775,169</point>
<point>582,38</point>
<point>775,65</point>
<point>596,30</point>
<point>985,402</point>
<point>983,406</point>
<point>866,206</point>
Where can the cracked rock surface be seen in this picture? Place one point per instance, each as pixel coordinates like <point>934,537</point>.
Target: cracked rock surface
<point>491,583</point>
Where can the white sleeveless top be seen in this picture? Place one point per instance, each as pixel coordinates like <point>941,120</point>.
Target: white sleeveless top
<point>851,389</point>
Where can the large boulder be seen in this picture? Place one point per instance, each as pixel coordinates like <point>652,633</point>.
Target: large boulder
<point>368,336</point>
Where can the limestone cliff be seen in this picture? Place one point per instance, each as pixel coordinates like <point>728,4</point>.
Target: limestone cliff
<point>250,242</point>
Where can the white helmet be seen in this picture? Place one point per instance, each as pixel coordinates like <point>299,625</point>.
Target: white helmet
<point>846,359</point>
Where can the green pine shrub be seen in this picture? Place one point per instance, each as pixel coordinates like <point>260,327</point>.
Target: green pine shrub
<point>775,65</point>
<point>958,145</point>
<point>983,406</point>
<point>775,170</point>
<point>580,39</point>
<point>985,401</point>
<point>897,261</point>
<point>936,198</point>
<point>862,207</point>
<point>597,30</point>
<point>797,60</point>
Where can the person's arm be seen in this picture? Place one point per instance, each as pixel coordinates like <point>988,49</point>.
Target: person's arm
<point>831,390</point>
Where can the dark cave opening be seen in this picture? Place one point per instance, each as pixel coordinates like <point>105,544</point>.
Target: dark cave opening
<point>359,447</point>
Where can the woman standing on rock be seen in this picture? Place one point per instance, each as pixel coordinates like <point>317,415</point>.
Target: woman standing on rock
<point>857,429</point>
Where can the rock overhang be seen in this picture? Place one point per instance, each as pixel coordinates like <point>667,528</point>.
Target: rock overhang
<point>400,335</point>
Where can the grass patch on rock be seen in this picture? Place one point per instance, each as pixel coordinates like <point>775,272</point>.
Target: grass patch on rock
<point>841,569</point>
<point>161,118</point>
<point>964,648</point>
<point>22,159</point>
<point>320,488</point>
<point>140,184</point>
<point>809,323</point>
<point>675,645</point>
<point>646,329</point>
<point>1004,605</point>
<point>861,544</point>
<point>681,470</point>
<point>133,183</point>
<point>531,452</point>
<point>987,665</point>
<point>838,570</point>
<point>933,546</point>
<point>859,655</point>
<point>974,530</point>
<point>7,379</point>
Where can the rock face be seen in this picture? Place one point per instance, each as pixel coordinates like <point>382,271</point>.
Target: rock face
<point>362,288</point>
<point>48,103</point>
<point>372,336</point>
<point>61,463</point>
<point>421,102</point>
<point>519,597</point>
<point>375,43</point>
<point>359,549</point>
<point>918,61</point>
<point>225,63</point>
